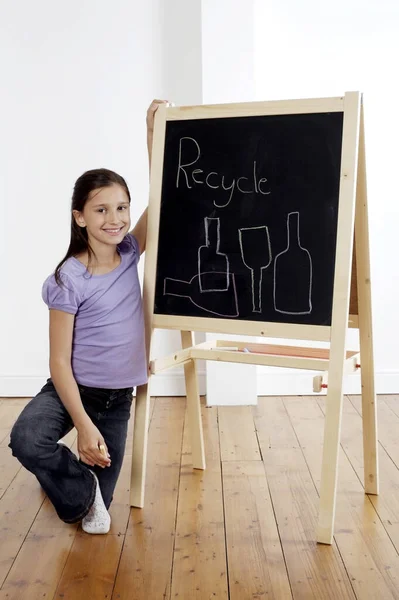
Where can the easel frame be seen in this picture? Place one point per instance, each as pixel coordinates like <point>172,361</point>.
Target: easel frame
<point>349,278</point>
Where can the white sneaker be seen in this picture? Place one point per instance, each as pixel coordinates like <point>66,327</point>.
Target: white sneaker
<point>97,520</point>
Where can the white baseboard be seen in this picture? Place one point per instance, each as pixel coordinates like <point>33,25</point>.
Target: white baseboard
<point>173,384</point>
<point>291,383</point>
<point>164,384</point>
<point>20,387</point>
<point>284,383</point>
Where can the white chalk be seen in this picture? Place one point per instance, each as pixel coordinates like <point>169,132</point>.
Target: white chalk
<point>235,348</point>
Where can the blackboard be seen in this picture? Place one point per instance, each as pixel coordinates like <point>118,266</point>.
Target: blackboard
<point>248,218</point>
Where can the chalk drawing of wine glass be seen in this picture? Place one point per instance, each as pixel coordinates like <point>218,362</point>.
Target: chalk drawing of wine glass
<point>256,254</point>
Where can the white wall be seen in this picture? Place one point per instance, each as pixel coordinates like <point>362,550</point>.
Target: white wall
<point>316,49</point>
<point>77,78</point>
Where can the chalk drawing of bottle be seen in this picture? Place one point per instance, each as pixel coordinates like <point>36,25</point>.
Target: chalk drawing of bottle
<point>292,290</point>
<point>213,265</point>
<point>222,303</point>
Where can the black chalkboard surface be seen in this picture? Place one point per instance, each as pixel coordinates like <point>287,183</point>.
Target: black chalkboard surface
<point>248,218</point>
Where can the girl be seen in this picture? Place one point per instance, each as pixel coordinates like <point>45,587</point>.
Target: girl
<point>97,353</point>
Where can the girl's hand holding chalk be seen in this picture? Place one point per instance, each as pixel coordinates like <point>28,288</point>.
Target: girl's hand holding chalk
<point>104,453</point>
<point>91,446</point>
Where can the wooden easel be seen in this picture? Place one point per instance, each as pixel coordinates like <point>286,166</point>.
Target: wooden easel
<point>351,308</point>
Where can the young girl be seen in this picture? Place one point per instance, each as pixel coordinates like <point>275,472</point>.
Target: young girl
<point>97,353</point>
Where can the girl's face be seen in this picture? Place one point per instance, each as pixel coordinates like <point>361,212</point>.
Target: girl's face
<point>106,215</point>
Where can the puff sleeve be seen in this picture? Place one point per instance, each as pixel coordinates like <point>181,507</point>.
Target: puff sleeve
<point>129,245</point>
<point>63,297</point>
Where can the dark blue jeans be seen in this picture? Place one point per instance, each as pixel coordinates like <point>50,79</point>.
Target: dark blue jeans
<point>66,480</point>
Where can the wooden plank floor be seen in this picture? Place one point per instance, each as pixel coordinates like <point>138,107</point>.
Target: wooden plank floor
<point>242,529</point>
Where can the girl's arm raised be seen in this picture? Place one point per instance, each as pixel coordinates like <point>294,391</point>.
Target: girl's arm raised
<point>140,231</point>
<point>89,437</point>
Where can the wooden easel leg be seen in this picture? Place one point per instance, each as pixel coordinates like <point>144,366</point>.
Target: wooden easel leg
<point>369,404</point>
<point>193,405</point>
<point>340,314</point>
<point>140,438</point>
<point>329,471</point>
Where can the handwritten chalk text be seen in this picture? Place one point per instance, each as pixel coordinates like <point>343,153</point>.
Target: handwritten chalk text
<point>215,180</point>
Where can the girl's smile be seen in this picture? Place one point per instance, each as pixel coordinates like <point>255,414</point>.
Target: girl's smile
<point>113,231</point>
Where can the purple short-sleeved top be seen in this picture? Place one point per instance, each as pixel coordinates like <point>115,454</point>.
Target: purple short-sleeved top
<point>108,348</point>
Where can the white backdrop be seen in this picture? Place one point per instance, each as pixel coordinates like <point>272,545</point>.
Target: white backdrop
<point>77,77</point>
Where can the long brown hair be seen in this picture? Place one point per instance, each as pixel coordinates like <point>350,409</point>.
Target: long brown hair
<point>88,182</point>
